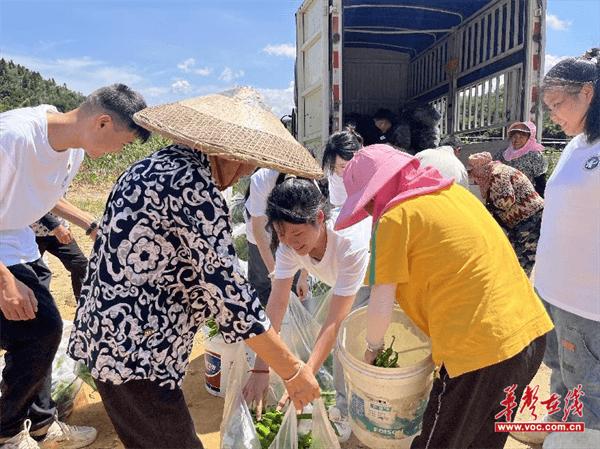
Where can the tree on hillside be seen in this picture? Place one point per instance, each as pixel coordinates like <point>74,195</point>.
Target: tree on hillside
<point>21,87</point>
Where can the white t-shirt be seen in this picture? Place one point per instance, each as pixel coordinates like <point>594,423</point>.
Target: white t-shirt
<point>444,159</point>
<point>567,272</point>
<point>262,182</point>
<point>342,267</point>
<point>33,177</point>
<point>361,231</point>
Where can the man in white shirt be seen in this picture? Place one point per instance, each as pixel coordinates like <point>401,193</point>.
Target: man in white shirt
<point>40,153</point>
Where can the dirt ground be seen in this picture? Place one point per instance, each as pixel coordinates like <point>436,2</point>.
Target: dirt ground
<point>206,410</point>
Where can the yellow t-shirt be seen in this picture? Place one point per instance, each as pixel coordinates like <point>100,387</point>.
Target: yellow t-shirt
<point>458,279</point>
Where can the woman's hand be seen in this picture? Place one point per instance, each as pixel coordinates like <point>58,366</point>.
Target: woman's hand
<point>62,234</point>
<point>303,387</point>
<point>302,285</point>
<point>370,356</point>
<point>17,301</point>
<point>255,392</point>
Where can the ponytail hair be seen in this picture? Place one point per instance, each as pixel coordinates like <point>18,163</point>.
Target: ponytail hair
<point>343,144</point>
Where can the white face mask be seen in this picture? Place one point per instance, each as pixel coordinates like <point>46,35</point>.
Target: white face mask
<point>337,190</point>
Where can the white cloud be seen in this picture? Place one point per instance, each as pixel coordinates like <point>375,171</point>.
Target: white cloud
<point>82,74</point>
<point>203,71</point>
<point>187,64</point>
<point>155,91</point>
<point>281,101</point>
<point>77,63</point>
<point>286,50</point>
<point>229,74</point>
<point>557,24</point>
<point>181,86</point>
<point>551,60</point>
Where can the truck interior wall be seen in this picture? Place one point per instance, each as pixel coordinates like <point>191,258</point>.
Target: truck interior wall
<point>373,79</point>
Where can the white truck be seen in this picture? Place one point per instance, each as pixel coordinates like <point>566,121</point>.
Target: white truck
<point>478,62</point>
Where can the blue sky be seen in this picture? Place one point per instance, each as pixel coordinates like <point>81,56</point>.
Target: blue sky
<point>173,49</point>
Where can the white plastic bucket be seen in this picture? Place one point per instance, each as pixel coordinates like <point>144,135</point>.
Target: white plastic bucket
<point>386,405</point>
<point>218,357</point>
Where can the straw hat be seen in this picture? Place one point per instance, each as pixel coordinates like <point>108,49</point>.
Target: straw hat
<point>234,125</point>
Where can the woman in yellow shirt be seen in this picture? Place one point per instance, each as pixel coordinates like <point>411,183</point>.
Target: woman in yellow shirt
<point>437,251</point>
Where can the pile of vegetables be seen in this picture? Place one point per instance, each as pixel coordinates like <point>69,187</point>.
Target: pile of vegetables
<point>268,426</point>
<point>388,358</point>
<point>270,423</point>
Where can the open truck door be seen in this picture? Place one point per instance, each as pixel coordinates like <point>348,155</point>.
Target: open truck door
<point>312,73</point>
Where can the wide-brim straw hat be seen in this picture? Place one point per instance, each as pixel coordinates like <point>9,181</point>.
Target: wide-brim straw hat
<point>235,125</point>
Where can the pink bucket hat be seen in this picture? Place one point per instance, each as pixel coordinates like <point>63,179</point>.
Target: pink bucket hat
<point>371,170</point>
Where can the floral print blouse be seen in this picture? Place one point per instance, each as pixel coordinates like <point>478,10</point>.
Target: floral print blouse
<point>162,264</point>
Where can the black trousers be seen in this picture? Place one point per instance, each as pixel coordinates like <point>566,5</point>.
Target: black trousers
<point>147,416</point>
<point>70,255</point>
<point>461,411</point>
<point>30,348</point>
<point>258,275</point>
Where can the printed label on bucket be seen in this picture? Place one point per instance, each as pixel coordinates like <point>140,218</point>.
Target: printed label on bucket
<point>212,363</point>
<point>389,420</point>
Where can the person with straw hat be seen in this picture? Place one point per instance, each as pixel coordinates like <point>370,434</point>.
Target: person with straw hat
<point>164,262</point>
<point>437,252</point>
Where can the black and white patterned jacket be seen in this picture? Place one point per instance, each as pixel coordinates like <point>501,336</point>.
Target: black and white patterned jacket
<point>163,262</point>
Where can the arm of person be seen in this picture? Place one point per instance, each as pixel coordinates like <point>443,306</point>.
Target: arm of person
<point>60,232</point>
<point>299,380</point>
<point>276,308</point>
<point>73,214</point>
<point>17,301</point>
<point>49,221</point>
<point>339,308</point>
<point>259,227</point>
<point>302,285</point>
<point>379,316</point>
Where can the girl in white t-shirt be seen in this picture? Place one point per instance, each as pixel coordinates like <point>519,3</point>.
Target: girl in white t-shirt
<point>261,260</point>
<point>567,270</point>
<point>339,150</point>
<point>298,215</point>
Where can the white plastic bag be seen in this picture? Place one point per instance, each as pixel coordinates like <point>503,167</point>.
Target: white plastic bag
<point>237,426</point>
<point>321,432</point>
<point>320,307</point>
<point>299,331</point>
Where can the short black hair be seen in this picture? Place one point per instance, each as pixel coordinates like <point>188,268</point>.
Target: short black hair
<point>452,141</point>
<point>120,102</point>
<point>571,75</point>
<point>385,114</point>
<point>343,144</point>
<point>297,201</point>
